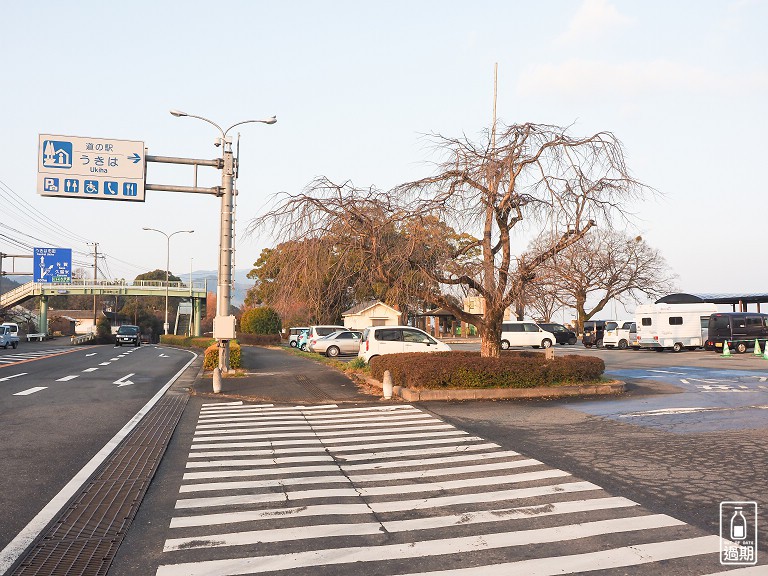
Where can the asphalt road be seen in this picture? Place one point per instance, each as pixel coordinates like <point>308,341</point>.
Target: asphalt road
<point>59,406</point>
<point>388,489</point>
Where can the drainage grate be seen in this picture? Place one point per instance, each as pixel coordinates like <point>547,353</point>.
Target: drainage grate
<point>310,390</point>
<point>85,537</point>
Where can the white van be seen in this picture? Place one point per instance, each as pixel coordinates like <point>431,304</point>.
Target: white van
<point>525,333</point>
<point>673,326</point>
<point>621,337</point>
<point>380,340</point>
<point>293,335</point>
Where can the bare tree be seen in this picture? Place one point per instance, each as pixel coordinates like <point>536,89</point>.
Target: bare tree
<point>533,177</point>
<point>605,265</point>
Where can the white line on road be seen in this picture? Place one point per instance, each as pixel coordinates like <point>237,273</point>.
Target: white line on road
<point>105,363</point>
<point>90,369</point>
<point>30,391</point>
<point>328,557</point>
<point>91,354</point>
<point>676,411</point>
<point>67,378</point>
<point>13,376</point>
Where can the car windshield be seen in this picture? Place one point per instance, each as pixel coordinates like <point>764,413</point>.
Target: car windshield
<point>128,330</point>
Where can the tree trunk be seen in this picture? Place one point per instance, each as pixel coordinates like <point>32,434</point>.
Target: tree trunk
<point>490,334</point>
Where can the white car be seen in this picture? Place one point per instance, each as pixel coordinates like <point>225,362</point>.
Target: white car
<point>380,340</point>
<point>525,333</point>
<point>622,338</point>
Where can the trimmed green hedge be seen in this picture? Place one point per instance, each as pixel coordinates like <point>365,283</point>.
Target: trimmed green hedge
<point>186,341</point>
<point>212,356</point>
<point>524,369</point>
<point>259,339</point>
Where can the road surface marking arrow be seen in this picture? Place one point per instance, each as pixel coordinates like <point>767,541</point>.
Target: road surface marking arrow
<point>14,376</point>
<point>124,380</point>
<point>91,354</point>
<point>163,356</point>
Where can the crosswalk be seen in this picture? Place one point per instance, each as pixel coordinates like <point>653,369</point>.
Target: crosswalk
<point>17,357</point>
<point>385,490</point>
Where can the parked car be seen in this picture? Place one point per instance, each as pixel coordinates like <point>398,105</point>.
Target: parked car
<point>293,335</point>
<point>380,340</point>
<point>319,331</point>
<point>594,332</point>
<point>525,333</point>
<point>739,329</point>
<point>128,334</point>
<point>7,337</point>
<point>621,338</point>
<point>345,342</point>
<point>562,334</point>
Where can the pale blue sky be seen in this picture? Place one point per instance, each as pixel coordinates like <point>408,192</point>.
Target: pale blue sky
<point>354,85</point>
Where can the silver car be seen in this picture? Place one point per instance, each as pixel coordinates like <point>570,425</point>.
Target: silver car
<point>339,342</point>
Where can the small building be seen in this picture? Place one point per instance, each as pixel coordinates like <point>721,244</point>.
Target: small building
<point>371,313</point>
<point>61,321</point>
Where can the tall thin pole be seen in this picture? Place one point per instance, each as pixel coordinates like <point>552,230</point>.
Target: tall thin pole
<point>167,274</point>
<point>493,124</point>
<point>225,247</point>
<point>95,273</point>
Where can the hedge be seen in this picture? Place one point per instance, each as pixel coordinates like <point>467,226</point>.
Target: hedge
<point>212,356</point>
<point>524,369</point>
<point>186,341</point>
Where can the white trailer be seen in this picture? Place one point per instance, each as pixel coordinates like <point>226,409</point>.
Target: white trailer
<point>673,326</point>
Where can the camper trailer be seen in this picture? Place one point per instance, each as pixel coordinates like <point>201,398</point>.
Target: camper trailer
<point>673,327</point>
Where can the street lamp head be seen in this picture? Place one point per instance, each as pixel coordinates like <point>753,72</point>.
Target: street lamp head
<point>271,120</point>
<point>178,113</point>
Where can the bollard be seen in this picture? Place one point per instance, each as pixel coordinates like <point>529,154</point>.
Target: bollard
<point>216,380</point>
<point>549,353</point>
<point>387,385</point>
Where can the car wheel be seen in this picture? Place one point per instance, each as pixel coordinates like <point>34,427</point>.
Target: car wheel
<point>623,344</point>
<point>303,348</point>
<point>572,341</point>
<point>741,347</point>
<point>546,343</point>
<point>677,347</point>
<point>332,352</point>
<point>587,345</point>
<point>505,344</point>
<point>118,344</point>
<point>293,343</point>
<point>599,343</point>
<point>136,345</point>
<point>14,345</point>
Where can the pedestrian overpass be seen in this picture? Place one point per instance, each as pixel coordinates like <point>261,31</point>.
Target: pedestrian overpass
<point>196,291</point>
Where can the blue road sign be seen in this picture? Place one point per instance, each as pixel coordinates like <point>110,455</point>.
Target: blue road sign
<point>53,265</point>
<point>57,154</point>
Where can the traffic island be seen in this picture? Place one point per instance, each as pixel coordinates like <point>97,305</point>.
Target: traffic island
<point>537,392</point>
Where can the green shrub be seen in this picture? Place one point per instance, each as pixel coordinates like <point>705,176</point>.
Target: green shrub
<point>259,339</point>
<point>469,370</point>
<point>212,356</point>
<point>262,320</point>
<point>356,364</point>
<point>200,342</point>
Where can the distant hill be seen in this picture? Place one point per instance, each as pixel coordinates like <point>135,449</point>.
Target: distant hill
<point>8,283</point>
<point>242,283</point>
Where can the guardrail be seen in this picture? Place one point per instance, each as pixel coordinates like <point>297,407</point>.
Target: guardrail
<point>83,338</point>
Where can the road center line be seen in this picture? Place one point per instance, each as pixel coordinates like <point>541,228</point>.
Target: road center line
<point>67,378</point>
<point>90,369</point>
<point>14,376</point>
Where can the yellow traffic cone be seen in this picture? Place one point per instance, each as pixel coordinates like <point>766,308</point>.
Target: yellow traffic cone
<point>765,352</point>
<point>757,351</point>
<point>726,350</point>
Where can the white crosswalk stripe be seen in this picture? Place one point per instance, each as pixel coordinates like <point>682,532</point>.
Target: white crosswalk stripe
<point>393,490</point>
<point>21,356</point>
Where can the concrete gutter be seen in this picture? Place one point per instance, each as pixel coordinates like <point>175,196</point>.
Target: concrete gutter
<point>424,394</point>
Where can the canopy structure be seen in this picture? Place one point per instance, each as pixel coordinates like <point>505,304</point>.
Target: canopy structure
<point>740,300</point>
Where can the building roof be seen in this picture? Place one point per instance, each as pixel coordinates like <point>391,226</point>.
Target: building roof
<point>728,298</point>
<point>363,306</point>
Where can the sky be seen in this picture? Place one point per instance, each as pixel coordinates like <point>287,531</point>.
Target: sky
<point>356,85</point>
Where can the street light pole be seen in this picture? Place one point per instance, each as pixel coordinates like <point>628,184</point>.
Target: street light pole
<point>167,266</point>
<point>223,326</point>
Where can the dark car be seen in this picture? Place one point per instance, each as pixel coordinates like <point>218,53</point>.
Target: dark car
<point>594,330</point>
<point>128,334</point>
<point>562,334</point>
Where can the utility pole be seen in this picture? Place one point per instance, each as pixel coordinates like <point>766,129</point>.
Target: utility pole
<point>95,272</point>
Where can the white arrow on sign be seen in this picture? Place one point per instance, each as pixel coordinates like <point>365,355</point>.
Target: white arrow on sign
<point>124,380</point>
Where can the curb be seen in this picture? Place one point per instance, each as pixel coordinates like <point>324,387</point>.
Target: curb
<point>420,395</point>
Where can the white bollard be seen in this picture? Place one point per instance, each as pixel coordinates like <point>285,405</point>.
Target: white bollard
<point>216,380</point>
<point>387,385</point>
